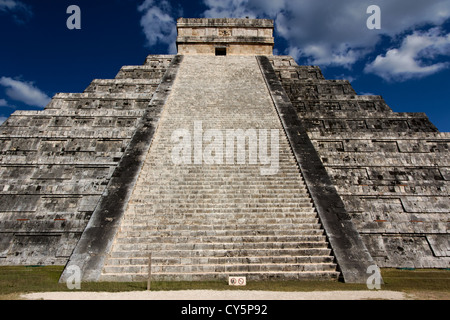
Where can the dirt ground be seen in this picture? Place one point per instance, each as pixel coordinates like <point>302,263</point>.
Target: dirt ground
<point>220,295</point>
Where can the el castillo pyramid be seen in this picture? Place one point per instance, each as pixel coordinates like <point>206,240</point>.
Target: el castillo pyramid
<point>223,160</point>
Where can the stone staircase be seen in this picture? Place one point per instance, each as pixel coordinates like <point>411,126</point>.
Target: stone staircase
<point>209,221</point>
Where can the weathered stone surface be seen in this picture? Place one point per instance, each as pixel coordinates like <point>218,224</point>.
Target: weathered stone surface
<point>207,221</point>
<point>95,243</point>
<point>55,164</point>
<point>71,174</point>
<point>351,254</point>
<point>391,169</point>
<point>233,36</point>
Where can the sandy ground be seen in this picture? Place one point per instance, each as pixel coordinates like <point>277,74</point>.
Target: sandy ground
<point>218,295</point>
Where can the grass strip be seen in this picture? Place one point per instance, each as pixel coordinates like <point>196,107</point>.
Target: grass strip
<point>424,283</point>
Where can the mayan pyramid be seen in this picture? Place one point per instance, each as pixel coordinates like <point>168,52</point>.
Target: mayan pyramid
<point>343,182</point>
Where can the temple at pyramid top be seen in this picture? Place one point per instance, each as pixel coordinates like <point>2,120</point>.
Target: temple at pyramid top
<point>225,36</point>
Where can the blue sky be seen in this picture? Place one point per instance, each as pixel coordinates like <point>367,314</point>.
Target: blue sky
<point>407,61</point>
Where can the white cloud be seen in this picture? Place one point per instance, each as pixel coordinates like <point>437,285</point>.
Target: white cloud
<point>243,8</point>
<point>327,32</point>
<point>366,94</point>
<point>158,24</point>
<point>19,11</point>
<point>228,9</point>
<point>343,76</point>
<point>25,92</point>
<point>7,5</point>
<point>3,103</point>
<point>323,54</point>
<point>407,61</point>
<point>330,32</point>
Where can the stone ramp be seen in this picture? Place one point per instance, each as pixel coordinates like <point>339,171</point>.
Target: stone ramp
<point>205,220</point>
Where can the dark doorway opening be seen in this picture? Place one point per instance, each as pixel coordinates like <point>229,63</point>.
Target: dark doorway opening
<point>221,51</point>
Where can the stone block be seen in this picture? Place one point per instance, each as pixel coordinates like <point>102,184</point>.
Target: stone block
<point>426,204</point>
<point>33,249</point>
<point>19,203</point>
<point>5,244</point>
<point>445,172</point>
<point>440,244</point>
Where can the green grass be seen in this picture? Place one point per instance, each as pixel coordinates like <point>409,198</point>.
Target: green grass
<point>423,283</point>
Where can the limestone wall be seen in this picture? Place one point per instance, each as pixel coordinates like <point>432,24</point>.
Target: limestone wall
<point>55,164</point>
<point>391,169</point>
<point>238,36</point>
<point>232,49</point>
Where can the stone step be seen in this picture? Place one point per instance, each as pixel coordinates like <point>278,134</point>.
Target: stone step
<point>217,179</point>
<point>169,168</point>
<point>256,180</point>
<point>185,214</point>
<point>232,207</point>
<point>145,246</point>
<point>287,194</point>
<point>214,228</point>
<point>224,191</point>
<point>166,142</point>
<point>204,276</point>
<point>220,177</point>
<point>209,221</point>
<point>223,204</point>
<point>284,212</point>
<point>223,268</point>
<point>221,253</point>
<point>227,127</point>
<point>202,202</point>
<point>208,202</point>
<point>214,193</point>
<point>218,222</point>
<point>217,175</point>
<point>144,232</point>
<point>285,156</point>
<point>230,218</point>
<point>138,238</point>
<point>254,187</point>
<point>224,186</point>
<point>223,175</point>
<point>221,260</point>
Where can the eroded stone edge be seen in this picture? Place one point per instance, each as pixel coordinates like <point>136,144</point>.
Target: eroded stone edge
<point>95,243</point>
<point>350,252</point>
